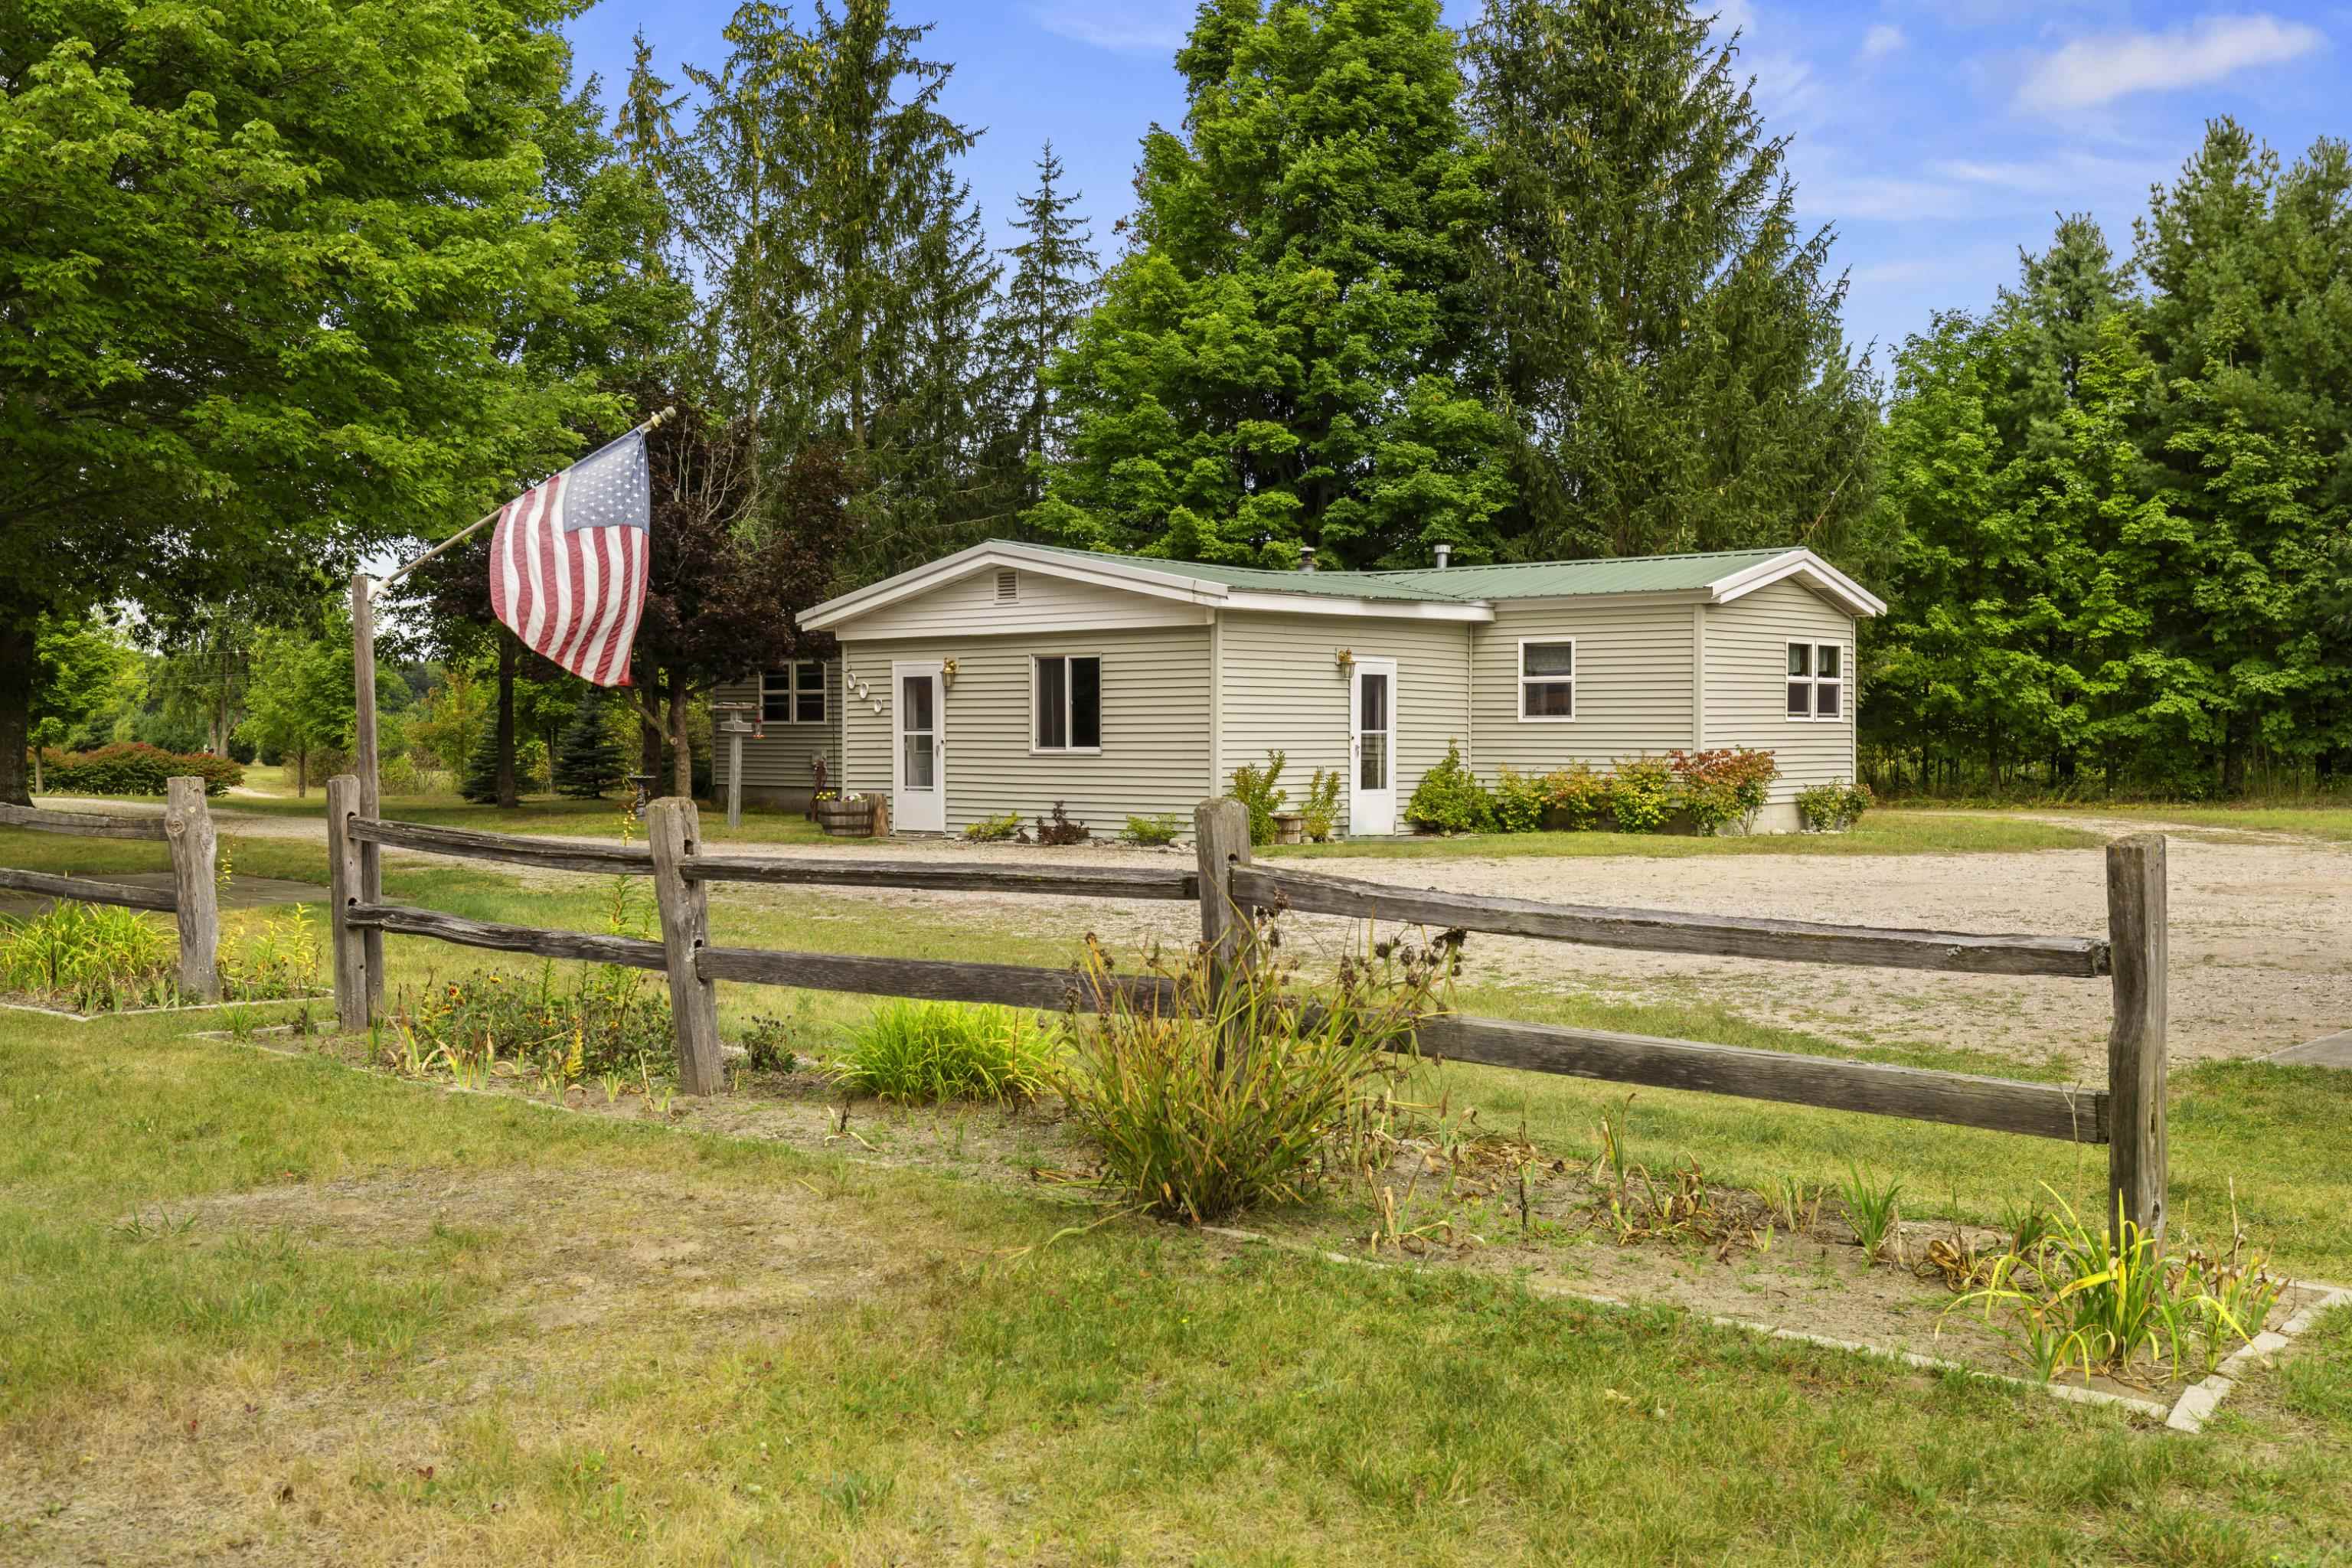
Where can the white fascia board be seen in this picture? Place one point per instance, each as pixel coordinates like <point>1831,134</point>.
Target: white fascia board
<point>1331,604</point>
<point>992,554</point>
<point>1819,575</point>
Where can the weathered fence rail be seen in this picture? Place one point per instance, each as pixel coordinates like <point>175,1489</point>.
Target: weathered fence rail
<point>1669,930</point>
<point>185,828</point>
<point>2126,1114</point>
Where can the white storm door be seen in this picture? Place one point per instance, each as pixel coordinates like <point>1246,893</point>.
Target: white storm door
<point>1371,725</point>
<point>918,778</point>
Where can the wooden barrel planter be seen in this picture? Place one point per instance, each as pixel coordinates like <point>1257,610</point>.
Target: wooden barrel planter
<point>851,818</point>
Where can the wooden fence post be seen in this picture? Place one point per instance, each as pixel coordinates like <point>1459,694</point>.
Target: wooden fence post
<point>673,831</point>
<point>1221,840</point>
<point>354,1002</point>
<point>188,829</point>
<point>2136,1053</point>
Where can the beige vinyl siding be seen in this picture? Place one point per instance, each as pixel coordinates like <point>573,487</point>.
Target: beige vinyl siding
<point>969,606</point>
<point>1635,665</point>
<point>1284,691</point>
<point>1155,725</point>
<point>779,760</point>
<point>1746,695</point>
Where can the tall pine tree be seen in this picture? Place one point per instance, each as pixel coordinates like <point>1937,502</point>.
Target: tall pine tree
<point>1053,280</point>
<point>815,194</point>
<point>1274,363</point>
<point>1664,340</point>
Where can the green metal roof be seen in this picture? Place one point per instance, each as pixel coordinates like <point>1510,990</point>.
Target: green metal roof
<point>1470,584</point>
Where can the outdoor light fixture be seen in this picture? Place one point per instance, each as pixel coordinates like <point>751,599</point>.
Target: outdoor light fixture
<point>946,670</point>
<point>1345,658</point>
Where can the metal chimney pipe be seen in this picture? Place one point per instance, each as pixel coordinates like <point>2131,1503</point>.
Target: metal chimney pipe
<point>1306,558</point>
<point>1444,555</point>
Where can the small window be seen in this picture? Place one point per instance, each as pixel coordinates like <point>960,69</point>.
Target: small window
<point>1008,586</point>
<point>793,695</point>
<point>1548,680</point>
<point>1816,680</point>
<point>1069,704</point>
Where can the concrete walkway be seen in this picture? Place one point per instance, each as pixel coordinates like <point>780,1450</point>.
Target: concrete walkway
<point>2327,1051</point>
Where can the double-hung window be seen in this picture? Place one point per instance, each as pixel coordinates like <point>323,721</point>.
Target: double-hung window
<point>794,694</point>
<point>1816,680</point>
<point>1548,680</point>
<point>1068,705</point>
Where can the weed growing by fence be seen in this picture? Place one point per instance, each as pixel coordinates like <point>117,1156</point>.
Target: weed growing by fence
<point>102,958</point>
<point>928,1051</point>
<point>607,1020</point>
<point>2105,1300</point>
<point>1243,1089</point>
<point>1870,1208</point>
<point>90,957</point>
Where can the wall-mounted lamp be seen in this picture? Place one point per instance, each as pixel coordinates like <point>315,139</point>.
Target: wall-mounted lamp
<point>1345,658</point>
<point>948,671</point>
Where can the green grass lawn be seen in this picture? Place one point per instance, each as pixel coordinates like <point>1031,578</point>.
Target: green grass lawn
<point>1880,833</point>
<point>278,1309</point>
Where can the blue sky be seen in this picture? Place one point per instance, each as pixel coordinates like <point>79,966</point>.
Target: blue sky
<point>1935,137</point>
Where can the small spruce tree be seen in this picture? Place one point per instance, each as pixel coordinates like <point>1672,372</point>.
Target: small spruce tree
<point>588,761</point>
<point>480,781</point>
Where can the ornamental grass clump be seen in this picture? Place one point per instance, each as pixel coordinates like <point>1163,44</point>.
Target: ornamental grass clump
<point>928,1051</point>
<point>2110,1300</point>
<point>90,957</point>
<point>1211,1092</point>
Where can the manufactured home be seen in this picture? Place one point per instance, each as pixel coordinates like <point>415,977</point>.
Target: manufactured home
<point>1008,677</point>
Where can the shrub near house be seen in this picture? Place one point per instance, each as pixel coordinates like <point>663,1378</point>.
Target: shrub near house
<point>1709,790</point>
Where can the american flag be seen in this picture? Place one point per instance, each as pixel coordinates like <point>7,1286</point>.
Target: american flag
<point>568,561</point>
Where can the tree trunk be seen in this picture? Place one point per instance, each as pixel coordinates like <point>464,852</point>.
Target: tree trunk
<point>16,668</point>
<point>507,797</point>
<point>2233,761</point>
<point>301,772</point>
<point>681,765</point>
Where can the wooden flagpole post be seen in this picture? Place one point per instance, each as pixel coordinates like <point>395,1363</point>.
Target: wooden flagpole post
<point>363,763</point>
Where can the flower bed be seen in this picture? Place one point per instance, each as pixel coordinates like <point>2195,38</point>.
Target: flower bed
<point>1702,791</point>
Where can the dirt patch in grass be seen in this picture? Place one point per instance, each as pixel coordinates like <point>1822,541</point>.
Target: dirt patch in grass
<point>570,1277</point>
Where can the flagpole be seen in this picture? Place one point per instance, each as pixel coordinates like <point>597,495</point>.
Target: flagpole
<point>371,802</point>
<point>492,515</point>
<point>364,762</point>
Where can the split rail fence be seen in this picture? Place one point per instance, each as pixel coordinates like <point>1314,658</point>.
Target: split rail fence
<point>187,826</point>
<point>2127,1115</point>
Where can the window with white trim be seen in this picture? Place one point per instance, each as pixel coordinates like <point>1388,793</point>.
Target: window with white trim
<point>1547,679</point>
<point>1816,680</point>
<point>794,694</point>
<point>1068,705</point>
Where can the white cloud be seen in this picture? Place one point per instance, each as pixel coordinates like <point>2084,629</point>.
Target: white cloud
<point>2095,71</point>
<point>1125,26</point>
<point>2083,178</point>
<point>1881,41</point>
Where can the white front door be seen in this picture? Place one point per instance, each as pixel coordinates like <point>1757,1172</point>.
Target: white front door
<point>918,778</point>
<point>1371,725</point>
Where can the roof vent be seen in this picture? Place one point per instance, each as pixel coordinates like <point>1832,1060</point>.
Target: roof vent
<point>1306,558</point>
<point>1444,556</point>
<point>1008,586</point>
